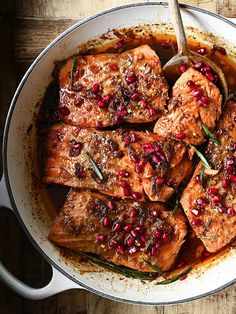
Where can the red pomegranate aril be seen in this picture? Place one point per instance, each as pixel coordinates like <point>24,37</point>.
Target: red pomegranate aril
<point>96,88</point>
<point>100,237</point>
<point>231,211</point>
<point>120,249</point>
<point>123,173</point>
<point>180,136</point>
<point>126,191</point>
<point>76,75</point>
<point>169,182</point>
<point>133,249</point>
<point>196,222</point>
<point>196,211</point>
<point>232,178</point>
<point>110,205</point>
<point>161,155</point>
<point>202,201</point>
<point>157,234</point>
<point>234,146</point>
<point>203,101</point>
<point>134,137</point>
<point>216,198</point>
<point>205,69</point>
<point>143,104</point>
<point>202,51</point>
<point>139,168</point>
<point>134,158</point>
<point>139,229</point>
<point>165,237</point>
<point>133,213</point>
<point>153,251</point>
<point>198,65</point>
<point>165,44</point>
<point>129,241</point>
<point>222,209</point>
<point>144,239</point>
<point>131,79</point>
<point>197,93</point>
<point>79,101</point>
<point>105,222</point>
<point>183,68</point>
<point>119,44</point>
<point>128,227</point>
<point>152,111</point>
<point>191,84</point>
<point>213,191</point>
<point>117,227</point>
<point>106,98</point>
<point>113,243</point>
<point>159,180</point>
<point>138,242</point>
<point>101,104</point>
<point>113,66</point>
<point>64,111</point>
<point>155,159</point>
<point>121,110</point>
<point>206,254</point>
<point>154,213</point>
<point>225,183</point>
<point>210,76</point>
<point>148,148</point>
<point>135,96</point>
<point>134,233</point>
<point>182,277</point>
<point>198,179</point>
<point>123,184</point>
<point>136,196</point>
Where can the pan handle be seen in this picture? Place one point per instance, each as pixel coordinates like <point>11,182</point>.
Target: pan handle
<point>4,197</point>
<point>58,283</point>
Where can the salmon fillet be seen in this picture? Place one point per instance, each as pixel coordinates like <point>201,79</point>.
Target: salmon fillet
<point>211,205</point>
<point>105,89</point>
<point>130,163</point>
<point>122,232</point>
<point>195,101</point>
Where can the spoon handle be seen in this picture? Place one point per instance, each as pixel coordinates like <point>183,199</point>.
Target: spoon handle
<point>178,27</point>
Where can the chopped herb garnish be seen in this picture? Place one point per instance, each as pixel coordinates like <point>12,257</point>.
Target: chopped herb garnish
<point>154,267</point>
<point>175,277</point>
<point>210,135</point>
<point>147,244</point>
<point>175,208</point>
<point>95,167</point>
<point>209,221</point>
<point>202,176</point>
<point>200,155</point>
<point>119,269</point>
<point>73,67</point>
<point>210,237</point>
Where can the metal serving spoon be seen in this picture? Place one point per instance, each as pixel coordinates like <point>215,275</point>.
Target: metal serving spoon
<point>187,56</point>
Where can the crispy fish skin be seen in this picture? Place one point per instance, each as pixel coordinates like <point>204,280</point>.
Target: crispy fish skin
<point>218,191</point>
<point>91,222</point>
<point>130,162</point>
<point>186,114</point>
<point>106,89</point>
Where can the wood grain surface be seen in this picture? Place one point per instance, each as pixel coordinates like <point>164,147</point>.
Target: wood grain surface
<point>26,27</point>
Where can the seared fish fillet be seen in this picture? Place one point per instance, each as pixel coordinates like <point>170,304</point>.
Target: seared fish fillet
<point>122,232</point>
<point>195,101</point>
<point>105,89</point>
<point>211,205</point>
<point>121,163</point>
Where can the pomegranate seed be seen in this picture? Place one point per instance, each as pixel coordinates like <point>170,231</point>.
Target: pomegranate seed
<point>75,144</point>
<point>101,104</point>
<point>205,69</point>
<point>113,66</point>
<point>76,75</point>
<point>197,93</point>
<point>157,246</point>
<point>210,76</point>
<point>154,241</point>
<point>96,88</point>
<point>139,229</point>
<point>123,173</point>
<point>128,227</point>
<point>198,65</point>
<point>232,178</point>
<point>202,51</point>
<point>180,136</point>
<point>134,233</point>
<point>213,191</point>
<point>225,183</point>
<point>105,222</point>
<point>191,84</point>
<point>157,234</point>
<point>216,198</point>
<point>64,111</point>
<point>133,213</point>
<point>133,250</point>
<point>79,172</point>
<point>134,137</point>
<point>206,254</point>
<point>222,209</point>
<point>165,44</point>
<point>148,148</point>
<point>123,184</point>
<point>138,242</point>
<point>165,236</point>
<point>153,251</point>
<point>129,241</point>
<point>155,159</point>
<point>79,101</point>
<point>144,239</point>
<point>198,179</point>
<point>143,104</point>
<point>116,119</point>
<point>196,211</point>
<point>231,211</point>
<point>196,222</point>
<point>120,249</point>
<point>116,227</point>
<point>202,201</point>
<point>100,237</point>
<point>121,110</point>
<point>113,243</point>
<point>106,98</point>
<point>154,213</point>
<point>203,101</point>
<point>135,96</point>
<point>119,44</point>
<point>110,205</point>
<point>169,182</point>
<point>131,79</point>
<point>183,68</point>
<point>234,146</point>
<point>182,277</point>
<point>159,180</point>
<point>136,196</point>
<point>152,111</point>
<point>126,191</point>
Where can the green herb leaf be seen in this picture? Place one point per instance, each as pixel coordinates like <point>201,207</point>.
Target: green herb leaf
<point>147,244</point>
<point>209,221</point>
<point>175,208</point>
<point>175,277</point>
<point>129,272</point>
<point>154,267</point>
<point>211,135</point>
<point>210,237</point>
<point>73,68</point>
<point>202,176</point>
<point>200,155</point>
<point>95,167</point>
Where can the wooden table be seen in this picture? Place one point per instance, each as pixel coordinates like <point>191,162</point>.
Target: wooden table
<point>26,27</point>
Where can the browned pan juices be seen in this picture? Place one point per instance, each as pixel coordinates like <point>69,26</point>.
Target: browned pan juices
<point>165,46</point>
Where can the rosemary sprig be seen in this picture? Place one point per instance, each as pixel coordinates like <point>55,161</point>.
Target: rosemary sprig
<point>209,221</point>
<point>119,269</point>
<point>175,277</point>
<point>210,135</point>
<point>154,267</point>
<point>148,244</point>
<point>73,67</point>
<point>95,167</point>
<point>175,208</point>
<point>202,176</point>
<point>209,237</point>
<point>200,155</point>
